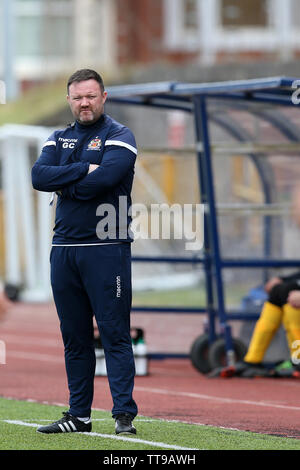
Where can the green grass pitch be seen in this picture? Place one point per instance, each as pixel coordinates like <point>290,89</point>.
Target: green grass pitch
<point>19,420</point>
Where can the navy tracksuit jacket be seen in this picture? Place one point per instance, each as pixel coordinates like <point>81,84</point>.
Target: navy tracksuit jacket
<point>91,253</point>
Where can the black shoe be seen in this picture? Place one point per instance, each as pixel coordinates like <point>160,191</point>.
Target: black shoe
<point>287,369</point>
<point>124,424</point>
<point>66,424</point>
<point>255,371</point>
<point>240,369</point>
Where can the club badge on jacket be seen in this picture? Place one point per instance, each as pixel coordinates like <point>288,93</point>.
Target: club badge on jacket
<point>95,144</point>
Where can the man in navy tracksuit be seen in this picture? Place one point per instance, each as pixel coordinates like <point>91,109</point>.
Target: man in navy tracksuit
<point>90,167</point>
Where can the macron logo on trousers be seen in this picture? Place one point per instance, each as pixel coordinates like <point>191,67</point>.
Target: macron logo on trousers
<point>118,284</point>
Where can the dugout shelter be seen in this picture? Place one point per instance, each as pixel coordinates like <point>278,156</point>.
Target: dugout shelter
<point>261,120</point>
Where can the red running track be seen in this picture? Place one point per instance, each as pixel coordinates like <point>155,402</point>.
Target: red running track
<point>173,389</point>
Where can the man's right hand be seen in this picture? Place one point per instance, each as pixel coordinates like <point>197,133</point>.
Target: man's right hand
<point>92,167</point>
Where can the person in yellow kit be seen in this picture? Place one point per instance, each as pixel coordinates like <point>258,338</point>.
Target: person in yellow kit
<point>281,307</point>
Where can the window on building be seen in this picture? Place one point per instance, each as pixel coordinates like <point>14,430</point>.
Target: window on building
<point>295,14</point>
<point>181,23</point>
<point>245,13</point>
<point>190,15</point>
<point>44,28</point>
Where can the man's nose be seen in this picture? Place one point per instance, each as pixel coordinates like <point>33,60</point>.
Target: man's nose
<point>85,101</point>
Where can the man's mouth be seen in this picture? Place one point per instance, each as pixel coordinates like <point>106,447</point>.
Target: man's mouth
<point>86,114</point>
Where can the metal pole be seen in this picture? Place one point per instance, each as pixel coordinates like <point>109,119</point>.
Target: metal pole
<point>9,34</point>
<point>202,125</point>
<point>207,241</point>
<point>12,254</point>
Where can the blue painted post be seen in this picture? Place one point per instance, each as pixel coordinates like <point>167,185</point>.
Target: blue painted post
<point>203,143</point>
<point>210,327</point>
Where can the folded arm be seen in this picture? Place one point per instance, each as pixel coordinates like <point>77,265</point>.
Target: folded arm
<point>116,163</point>
<point>47,175</point>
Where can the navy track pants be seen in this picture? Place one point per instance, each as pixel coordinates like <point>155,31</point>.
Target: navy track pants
<point>95,281</point>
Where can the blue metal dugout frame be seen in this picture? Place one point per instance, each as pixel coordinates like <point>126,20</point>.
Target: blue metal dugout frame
<point>193,98</point>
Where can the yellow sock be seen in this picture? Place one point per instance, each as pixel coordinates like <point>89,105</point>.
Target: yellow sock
<point>264,331</point>
<point>291,322</point>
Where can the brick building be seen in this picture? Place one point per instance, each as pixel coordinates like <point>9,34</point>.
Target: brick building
<point>50,38</point>
<point>207,31</point>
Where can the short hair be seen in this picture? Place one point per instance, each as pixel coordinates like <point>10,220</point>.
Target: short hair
<point>85,74</point>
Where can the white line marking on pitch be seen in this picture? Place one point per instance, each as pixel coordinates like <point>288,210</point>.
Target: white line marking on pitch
<point>108,436</point>
<point>32,340</point>
<point>35,357</point>
<point>212,398</point>
<point>139,420</point>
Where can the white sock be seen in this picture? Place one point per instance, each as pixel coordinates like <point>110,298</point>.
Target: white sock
<point>85,420</point>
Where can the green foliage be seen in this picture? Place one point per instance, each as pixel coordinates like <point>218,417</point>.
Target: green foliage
<point>35,105</point>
